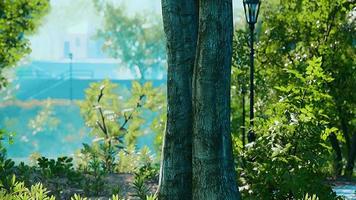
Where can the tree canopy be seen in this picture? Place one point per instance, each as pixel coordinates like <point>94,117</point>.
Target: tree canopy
<point>305,104</point>
<point>135,39</point>
<point>17,19</point>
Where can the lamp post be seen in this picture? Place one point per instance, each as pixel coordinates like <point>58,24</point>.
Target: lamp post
<point>251,8</point>
<point>70,55</point>
<point>243,92</point>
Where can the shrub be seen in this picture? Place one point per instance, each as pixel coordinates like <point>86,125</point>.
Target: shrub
<point>288,158</point>
<point>56,173</point>
<point>141,190</point>
<point>18,191</point>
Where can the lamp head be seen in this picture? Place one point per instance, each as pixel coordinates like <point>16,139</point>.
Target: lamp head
<point>251,8</point>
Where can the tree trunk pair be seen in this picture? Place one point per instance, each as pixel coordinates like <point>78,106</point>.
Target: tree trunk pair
<point>338,154</point>
<point>197,161</point>
<point>351,157</point>
<point>350,147</point>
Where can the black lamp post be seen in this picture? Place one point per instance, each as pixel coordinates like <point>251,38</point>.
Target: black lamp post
<point>251,8</point>
<point>70,55</point>
<point>243,92</point>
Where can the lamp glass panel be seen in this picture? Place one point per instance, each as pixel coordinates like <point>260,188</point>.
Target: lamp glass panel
<point>251,8</point>
<point>252,12</point>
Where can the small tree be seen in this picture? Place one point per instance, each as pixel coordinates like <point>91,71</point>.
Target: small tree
<point>136,40</point>
<point>114,123</point>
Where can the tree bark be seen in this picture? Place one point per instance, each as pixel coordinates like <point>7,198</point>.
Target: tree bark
<point>344,127</point>
<point>351,157</point>
<point>338,154</point>
<point>213,166</point>
<point>180,19</point>
<point>350,140</point>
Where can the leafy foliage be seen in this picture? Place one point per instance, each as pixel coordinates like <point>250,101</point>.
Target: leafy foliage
<point>303,53</point>
<point>94,184</point>
<point>129,160</point>
<point>62,167</point>
<point>6,165</point>
<point>18,191</point>
<point>115,124</point>
<point>6,172</point>
<point>297,31</point>
<point>136,40</point>
<point>4,135</point>
<point>287,159</point>
<point>78,197</point>
<point>56,172</point>
<point>17,19</point>
<point>45,119</point>
<point>308,197</point>
<point>140,187</point>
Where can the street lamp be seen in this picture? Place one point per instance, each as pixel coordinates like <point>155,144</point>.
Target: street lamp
<point>70,55</point>
<point>243,92</point>
<point>251,8</point>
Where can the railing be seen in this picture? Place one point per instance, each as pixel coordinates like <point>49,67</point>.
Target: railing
<point>30,74</point>
<point>50,84</point>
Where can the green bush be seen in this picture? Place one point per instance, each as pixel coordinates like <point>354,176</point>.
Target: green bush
<point>288,158</point>
<point>18,191</point>
<point>313,197</point>
<point>56,174</point>
<point>141,190</point>
<point>6,165</point>
<point>6,172</point>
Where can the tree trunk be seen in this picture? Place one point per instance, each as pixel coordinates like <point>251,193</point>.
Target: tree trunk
<point>180,18</point>
<point>213,167</point>
<point>351,158</point>
<point>344,128</point>
<point>350,141</point>
<point>338,155</point>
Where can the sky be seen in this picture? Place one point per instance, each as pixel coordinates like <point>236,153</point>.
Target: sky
<point>80,17</point>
